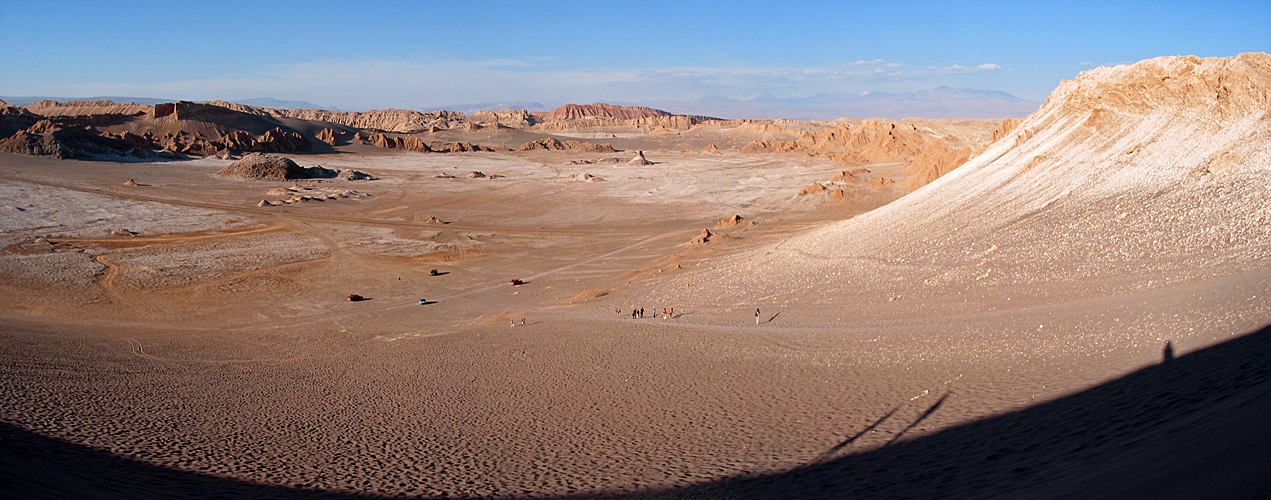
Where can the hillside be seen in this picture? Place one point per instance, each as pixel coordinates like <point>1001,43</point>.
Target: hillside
<point>1133,174</point>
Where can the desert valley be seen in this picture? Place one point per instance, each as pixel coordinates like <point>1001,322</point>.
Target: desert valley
<point>1072,304</point>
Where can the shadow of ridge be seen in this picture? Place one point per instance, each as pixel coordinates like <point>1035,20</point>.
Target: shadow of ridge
<point>34,466</point>
<point>1198,426</point>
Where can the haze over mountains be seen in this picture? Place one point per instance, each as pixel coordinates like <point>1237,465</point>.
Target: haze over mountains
<point>941,102</point>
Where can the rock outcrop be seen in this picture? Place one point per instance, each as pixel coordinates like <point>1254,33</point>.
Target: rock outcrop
<point>279,140</point>
<point>733,222</point>
<point>932,163</point>
<point>407,143</point>
<point>850,176</point>
<point>398,121</point>
<point>14,119</point>
<point>348,174</point>
<point>462,147</point>
<point>513,118</point>
<point>815,188</point>
<point>44,138</point>
<point>639,160</point>
<point>572,116</point>
<point>1008,126</point>
<point>330,136</point>
<point>51,109</point>
<point>552,143</point>
<point>870,142</point>
<point>267,167</point>
<point>602,110</point>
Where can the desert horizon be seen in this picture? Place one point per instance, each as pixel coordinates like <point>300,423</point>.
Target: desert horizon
<point>206,298</point>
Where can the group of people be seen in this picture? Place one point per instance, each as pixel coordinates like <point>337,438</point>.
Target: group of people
<point>639,313</point>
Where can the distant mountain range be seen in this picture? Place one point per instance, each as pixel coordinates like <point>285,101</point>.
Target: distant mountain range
<point>468,109</point>
<point>941,102</point>
<point>261,102</point>
<point>269,102</point>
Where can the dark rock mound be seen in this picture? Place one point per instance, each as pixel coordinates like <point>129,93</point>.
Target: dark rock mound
<point>266,167</point>
<point>544,143</point>
<point>47,139</point>
<point>14,120</point>
<point>552,143</point>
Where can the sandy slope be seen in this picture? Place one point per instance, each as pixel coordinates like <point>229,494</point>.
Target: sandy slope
<point>999,332</point>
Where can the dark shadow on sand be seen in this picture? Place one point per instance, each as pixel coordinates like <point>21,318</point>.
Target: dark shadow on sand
<point>34,466</point>
<point>1198,426</point>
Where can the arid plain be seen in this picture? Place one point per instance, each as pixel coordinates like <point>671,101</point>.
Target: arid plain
<point>1074,310</point>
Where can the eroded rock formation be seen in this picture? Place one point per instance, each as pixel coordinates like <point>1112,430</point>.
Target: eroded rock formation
<point>552,143</point>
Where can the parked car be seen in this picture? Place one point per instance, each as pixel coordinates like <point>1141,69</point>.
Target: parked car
<point>515,282</point>
<point>356,298</point>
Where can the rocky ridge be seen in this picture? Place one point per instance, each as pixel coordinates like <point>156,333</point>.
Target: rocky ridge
<point>222,129</point>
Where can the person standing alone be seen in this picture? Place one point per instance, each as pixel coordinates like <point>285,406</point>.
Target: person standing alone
<point>756,316</point>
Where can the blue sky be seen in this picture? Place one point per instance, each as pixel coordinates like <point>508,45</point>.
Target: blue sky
<point>364,55</point>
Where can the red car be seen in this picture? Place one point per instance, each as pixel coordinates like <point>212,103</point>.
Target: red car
<point>515,282</point>
<point>356,298</point>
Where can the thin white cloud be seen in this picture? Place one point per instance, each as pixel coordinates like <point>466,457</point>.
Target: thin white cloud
<point>959,69</point>
<point>503,62</point>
